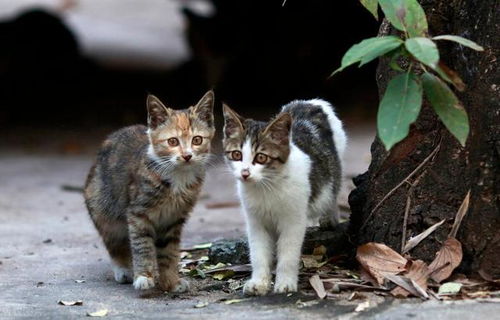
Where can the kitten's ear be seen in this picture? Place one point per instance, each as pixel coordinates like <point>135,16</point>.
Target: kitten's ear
<point>233,122</point>
<point>204,109</point>
<point>279,129</point>
<point>157,112</point>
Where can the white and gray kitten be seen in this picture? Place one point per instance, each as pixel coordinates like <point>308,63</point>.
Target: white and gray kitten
<point>288,177</point>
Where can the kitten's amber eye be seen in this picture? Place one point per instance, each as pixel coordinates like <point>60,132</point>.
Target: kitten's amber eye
<point>236,155</point>
<point>260,158</point>
<point>173,142</point>
<point>197,140</point>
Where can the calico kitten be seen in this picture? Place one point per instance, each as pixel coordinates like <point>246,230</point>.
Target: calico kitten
<point>288,176</point>
<point>143,186</point>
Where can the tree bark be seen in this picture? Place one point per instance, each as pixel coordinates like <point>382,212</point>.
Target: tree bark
<point>442,182</point>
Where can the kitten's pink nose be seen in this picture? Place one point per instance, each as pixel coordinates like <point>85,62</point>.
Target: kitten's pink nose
<point>245,174</point>
<point>187,157</point>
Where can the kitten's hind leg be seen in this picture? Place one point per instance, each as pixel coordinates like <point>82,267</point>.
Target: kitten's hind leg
<point>331,217</point>
<point>261,248</point>
<point>122,274</point>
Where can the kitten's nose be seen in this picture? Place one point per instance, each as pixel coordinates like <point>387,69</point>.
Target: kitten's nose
<point>187,157</point>
<point>245,173</point>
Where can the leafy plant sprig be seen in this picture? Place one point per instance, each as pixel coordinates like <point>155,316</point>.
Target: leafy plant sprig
<point>402,100</point>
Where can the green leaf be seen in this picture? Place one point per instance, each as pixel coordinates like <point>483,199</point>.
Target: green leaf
<point>399,108</point>
<point>447,106</point>
<point>372,6</point>
<point>405,15</point>
<point>450,288</point>
<point>460,40</point>
<point>424,50</point>
<point>368,49</point>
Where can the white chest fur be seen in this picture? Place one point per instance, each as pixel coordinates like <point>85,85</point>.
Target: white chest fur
<point>286,198</point>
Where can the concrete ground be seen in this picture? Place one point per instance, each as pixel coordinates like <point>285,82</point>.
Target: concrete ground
<point>47,242</point>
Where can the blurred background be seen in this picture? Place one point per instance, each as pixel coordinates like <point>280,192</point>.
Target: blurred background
<point>71,71</point>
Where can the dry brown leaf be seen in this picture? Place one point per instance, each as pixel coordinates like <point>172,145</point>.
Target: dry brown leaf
<point>378,260</point>
<point>464,207</point>
<point>318,286</point>
<point>365,276</point>
<point>447,259</point>
<point>418,272</point>
<point>413,242</point>
<point>408,284</point>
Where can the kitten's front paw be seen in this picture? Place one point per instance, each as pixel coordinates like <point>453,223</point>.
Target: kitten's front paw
<point>143,283</point>
<point>256,287</point>
<point>182,286</point>
<point>285,286</point>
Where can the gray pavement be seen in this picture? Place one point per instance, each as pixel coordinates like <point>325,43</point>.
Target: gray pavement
<point>47,242</point>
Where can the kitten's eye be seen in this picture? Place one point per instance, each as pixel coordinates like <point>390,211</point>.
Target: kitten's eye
<point>173,142</point>
<point>236,156</point>
<point>197,140</point>
<point>260,158</point>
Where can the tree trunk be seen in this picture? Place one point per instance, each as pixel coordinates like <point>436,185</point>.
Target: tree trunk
<point>449,170</point>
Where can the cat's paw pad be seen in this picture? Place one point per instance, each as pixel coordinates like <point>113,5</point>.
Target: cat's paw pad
<point>256,287</point>
<point>182,286</point>
<point>285,286</point>
<point>143,283</point>
<point>122,275</point>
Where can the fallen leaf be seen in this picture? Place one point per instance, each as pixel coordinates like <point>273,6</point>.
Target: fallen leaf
<point>464,207</point>
<point>222,205</point>
<point>310,261</point>
<point>232,301</point>
<point>414,241</point>
<point>365,276</point>
<point>450,288</point>
<point>201,304</point>
<point>408,285</point>
<point>447,259</point>
<point>418,271</point>
<point>197,273</point>
<point>304,304</point>
<point>379,260</point>
<point>318,286</point>
<point>239,268</point>
<point>356,296</point>
<point>319,251</point>
<point>70,303</point>
<point>202,246</point>
<point>362,306</point>
<point>100,313</point>
<point>223,275</point>
<point>185,254</point>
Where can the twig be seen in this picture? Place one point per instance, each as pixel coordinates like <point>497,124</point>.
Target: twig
<point>405,180</point>
<point>464,207</point>
<point>405,219</point>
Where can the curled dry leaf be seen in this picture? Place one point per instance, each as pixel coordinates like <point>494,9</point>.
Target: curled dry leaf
<point>418,271</point>
<point>318,286</point>
<point>447,259</point>
<point>413,242</point>
<point>379,260</point>
<point>362,306</point>
<point>70,303</point>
